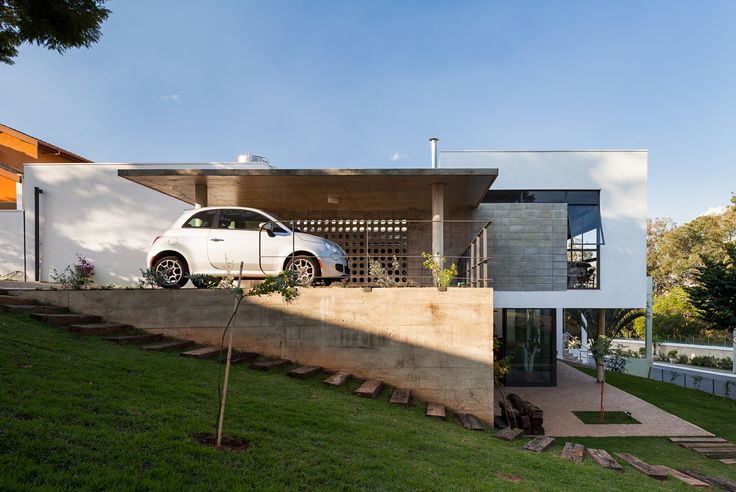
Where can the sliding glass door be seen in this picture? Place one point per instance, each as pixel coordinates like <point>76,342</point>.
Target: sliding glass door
<point>529,338</point>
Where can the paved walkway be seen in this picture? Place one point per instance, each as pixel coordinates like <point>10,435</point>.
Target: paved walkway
<point>578,391</point>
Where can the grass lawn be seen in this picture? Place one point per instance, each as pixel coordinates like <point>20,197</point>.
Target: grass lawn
<point>712,413</point>
<point>80,413</point>
<point>608,418</point>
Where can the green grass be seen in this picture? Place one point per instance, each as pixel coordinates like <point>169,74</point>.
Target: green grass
<point>81,413</point>
<point>608,418</point>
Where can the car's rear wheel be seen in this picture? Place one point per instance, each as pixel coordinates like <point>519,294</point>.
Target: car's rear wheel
<point>304,268</point>
<point>171,272</point>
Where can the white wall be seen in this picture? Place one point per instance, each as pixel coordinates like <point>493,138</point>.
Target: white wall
<point>11,243</point>
<point>88,209</point>
<point>622,178</point>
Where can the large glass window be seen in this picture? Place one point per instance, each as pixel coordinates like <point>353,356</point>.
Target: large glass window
<point>529,338</point>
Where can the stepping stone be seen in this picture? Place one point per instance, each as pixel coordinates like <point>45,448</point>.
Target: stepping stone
<point>645,468</point>
<point>303,372</point>
<point>400,397</point>
<point>469,421</point>
<point>134,339</point>
<point>720,483</point>
<point>239,357</point>
<point>691,445</point>
<point>573,452</point>
<point>694,482</point>
<point>508,434</point>
<point>201,353</point>
<point>66,319</point>
<point>169,345</point>
<point>6,300</point>
<point>539,444</point>
<point>267,365</point>
<point>697,439</point>
<point>728,461</point>
<point>604,459</point>
<point>435,410</point>
<point>369,389</point>
<point>33,309</point>
<point>96,328</point>
<point>338,379</point>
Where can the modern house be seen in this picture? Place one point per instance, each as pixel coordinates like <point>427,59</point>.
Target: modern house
<point>546,230</point>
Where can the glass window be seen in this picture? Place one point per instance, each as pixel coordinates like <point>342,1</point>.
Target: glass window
<point>529,338</point>
<point>584,238</point>
<point>575,197</point>
<point>201,220</point>
<point>242,220</point>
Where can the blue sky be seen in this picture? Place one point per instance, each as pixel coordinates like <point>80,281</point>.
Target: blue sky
<point>364,84</point>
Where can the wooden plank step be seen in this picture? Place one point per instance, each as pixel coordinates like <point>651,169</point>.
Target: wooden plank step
<point>303,372</point>
<point>508,434</point>
<point>267,365</point>
<point>400,397</point>
<point>338,379</point>
<point>202,353</point>
<point>169,345</point>
<point>369,389</point>
<point>8,300</point>
<point>642,467</point>
<point>134,339</point>
<point>727,449</point>
<point>697,439</point>
<point>573,452</point>
<point>33,309</point>
<point>691,445</point>
<point>66,319</point>
<point>96,328</point>
<point>604,459</point>
<point>239,357</point>
<point>469,421</point>
<point>693,482</point>
<point>718,482</point>
<point>539,444</point>
<point>718,455</point>
<point>436,410</point>
<point>728,461</point>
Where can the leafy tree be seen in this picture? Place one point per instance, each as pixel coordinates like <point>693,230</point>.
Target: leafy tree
<point>714,291</point>
<point>673,317</point>
<point>54,24</point>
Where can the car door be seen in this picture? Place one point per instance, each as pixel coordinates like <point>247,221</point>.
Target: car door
<point>234,240</point>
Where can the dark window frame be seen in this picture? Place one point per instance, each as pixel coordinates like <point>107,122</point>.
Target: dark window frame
<point>215,220</point>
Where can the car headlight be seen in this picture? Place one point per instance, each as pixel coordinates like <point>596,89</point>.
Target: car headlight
<point>332,248</point>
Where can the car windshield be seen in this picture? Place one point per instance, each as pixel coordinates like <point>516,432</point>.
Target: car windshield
<point>277,227</point>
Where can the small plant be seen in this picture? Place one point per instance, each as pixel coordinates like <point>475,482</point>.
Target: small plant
<point>441,276</point>
<point>379,274</point>
<point>204,281</point>
<point>672,355</point>
<point>76,276</point>
<point>642,352</point>
<point>150,279</point>
<point>284,283</point>
<point>697,381</point>
<point>617,359</point>
<point>682,359</point>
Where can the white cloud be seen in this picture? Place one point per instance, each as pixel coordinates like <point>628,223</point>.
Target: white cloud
<point>397,157</point>
<point>715,210</point>
<point>170,98</point>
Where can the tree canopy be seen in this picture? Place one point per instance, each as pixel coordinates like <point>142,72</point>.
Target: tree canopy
<point>714,292</point>
<point>54,24</point>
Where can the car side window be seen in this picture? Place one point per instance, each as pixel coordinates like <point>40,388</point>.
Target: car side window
<point>201,220</point>
<point>243,220</point>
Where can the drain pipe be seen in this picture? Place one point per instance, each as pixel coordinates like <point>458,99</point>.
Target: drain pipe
<point>435,153</point>
<point>36,244</point>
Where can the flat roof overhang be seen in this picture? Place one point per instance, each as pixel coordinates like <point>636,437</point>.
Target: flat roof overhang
<point>305,189</point>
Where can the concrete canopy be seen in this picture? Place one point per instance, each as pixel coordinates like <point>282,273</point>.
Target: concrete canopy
<point>305,189</point>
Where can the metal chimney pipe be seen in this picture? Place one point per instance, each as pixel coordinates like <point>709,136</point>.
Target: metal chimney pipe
<point>435,153</point>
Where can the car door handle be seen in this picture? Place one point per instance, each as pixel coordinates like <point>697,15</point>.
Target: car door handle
<point>216,239</point>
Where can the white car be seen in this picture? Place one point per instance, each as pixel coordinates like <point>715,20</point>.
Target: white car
<point>214,240</point>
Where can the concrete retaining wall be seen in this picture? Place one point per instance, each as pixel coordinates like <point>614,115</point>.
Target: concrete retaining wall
<point>438,344</point>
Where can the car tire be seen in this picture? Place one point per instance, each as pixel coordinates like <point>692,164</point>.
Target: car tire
<point>306,269</point>
<point>173,270</point>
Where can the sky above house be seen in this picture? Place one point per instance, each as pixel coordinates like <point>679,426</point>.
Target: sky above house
<point>365,84</point>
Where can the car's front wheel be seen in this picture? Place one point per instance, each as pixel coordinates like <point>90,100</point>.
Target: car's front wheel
<point>171,272</point>
<point>305,269</point>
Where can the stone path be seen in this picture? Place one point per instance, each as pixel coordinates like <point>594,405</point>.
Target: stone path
<point>577,391</point>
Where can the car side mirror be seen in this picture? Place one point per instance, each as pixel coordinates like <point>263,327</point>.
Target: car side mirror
<point>268,227</point>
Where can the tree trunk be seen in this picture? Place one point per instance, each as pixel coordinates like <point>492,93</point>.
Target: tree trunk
<point>599,363</point>
<point>603,385</point>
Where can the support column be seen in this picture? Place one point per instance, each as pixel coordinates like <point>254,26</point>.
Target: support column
<point>200,195</point>
<point>601,332</point>
<point>438,216</point>
<point>648,339</point>
<point>560,329</point>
